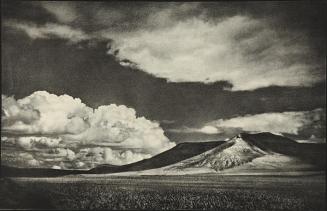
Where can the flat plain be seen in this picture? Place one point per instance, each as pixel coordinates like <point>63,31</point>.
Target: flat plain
<point>206,191</point>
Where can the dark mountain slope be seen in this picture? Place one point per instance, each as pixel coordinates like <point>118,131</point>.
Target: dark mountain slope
<point>178,153</point>
<point>314,153</point>
<point>260,152</point>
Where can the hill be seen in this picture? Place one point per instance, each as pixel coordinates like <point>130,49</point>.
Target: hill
<point>176,154</point>
<point>262,152</point>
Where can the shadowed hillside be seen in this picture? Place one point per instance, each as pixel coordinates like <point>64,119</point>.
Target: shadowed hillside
<point>253,152</point>
<point>314,153</point>
<point>178,153</point>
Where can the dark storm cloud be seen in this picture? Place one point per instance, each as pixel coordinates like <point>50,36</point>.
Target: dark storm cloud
<point>123,16</point>
<point>295,15</point>
<point>86,72</point>
<point>25,11</point>
<point>250,45</point>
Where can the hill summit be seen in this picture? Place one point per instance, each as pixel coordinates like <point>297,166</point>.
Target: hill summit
<point>260,152</point>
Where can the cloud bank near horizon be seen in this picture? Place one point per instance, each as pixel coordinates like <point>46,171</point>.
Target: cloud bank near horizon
<point>308,123</point>
<point>58,129</point>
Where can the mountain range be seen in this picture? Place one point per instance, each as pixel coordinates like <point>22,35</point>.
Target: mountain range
<point>244,153</point>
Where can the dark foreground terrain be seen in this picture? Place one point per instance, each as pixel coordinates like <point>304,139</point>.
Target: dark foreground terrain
<point>218,192</point>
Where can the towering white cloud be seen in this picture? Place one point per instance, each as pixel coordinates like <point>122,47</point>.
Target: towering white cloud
<point>62,128</point>
<point>44,113</point>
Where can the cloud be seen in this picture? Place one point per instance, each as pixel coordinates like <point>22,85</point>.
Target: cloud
<point>249,53</point>
<point>19,159</point>
<point>82,13</point>
<point>208,129</point>
<point>33,142</point>
<point>63,11</point>
<point>166,121</point>
<point>68,157</point>
<point>308,125</point>
<point>48,31</point>
<point>285,122</point>
<point>56,167</point>
<point>181,43</point>
<point>118,126</point>
<point>57,154</point>
<point>312,139</point>
<point>56,114</point>
<point>98,155</point>
<point>16,112</point>
<point>65,129</point>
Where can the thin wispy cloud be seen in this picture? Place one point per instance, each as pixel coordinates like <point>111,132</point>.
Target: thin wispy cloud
<point>285,122</point>
<point>64,11</point>
<point>206,130</point>
<point>48,31</point>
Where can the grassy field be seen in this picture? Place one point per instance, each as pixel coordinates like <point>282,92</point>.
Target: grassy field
<point>168,192</point>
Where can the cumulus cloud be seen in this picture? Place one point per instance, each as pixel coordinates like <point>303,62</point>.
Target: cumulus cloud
<point>44,113</point>
<point>16,112</point>
<point>98,155</point>
<point>19,159</point>
<point>118,126</point>
<point>33,142</point>
<point>48,31</point>
<point>57,154</point>
<point>249,53</point>
<point>62,128</point>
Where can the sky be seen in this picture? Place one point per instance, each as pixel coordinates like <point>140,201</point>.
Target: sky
<point>88,83</point>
